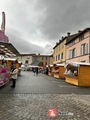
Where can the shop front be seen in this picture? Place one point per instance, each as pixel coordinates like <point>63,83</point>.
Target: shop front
<point>51,70</point>
<point>7,52</point>
<point>4,75</point>
<point>78,73</point>
<point>59,71</point>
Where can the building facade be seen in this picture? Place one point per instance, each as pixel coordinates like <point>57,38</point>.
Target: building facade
<point>59,55</point>
<point>42,60</point>
<point>34,59</point>
<point>51,59</point>
<point>25,58</point>
<point>78,48</point>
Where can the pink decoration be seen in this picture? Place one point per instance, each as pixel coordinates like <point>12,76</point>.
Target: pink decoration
<point>3,37</point>
<point>4,75</point>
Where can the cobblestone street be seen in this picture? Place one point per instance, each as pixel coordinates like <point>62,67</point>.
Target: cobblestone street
<point>35,95</point>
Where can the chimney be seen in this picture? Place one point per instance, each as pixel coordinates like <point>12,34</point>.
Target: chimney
<point>68,34</point>
<point>62,37</point>
<point>79,31</point>
<point>3,22</point>
<point>56,43</point>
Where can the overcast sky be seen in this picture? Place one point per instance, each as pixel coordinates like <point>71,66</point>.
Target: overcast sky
<point>34,26</point>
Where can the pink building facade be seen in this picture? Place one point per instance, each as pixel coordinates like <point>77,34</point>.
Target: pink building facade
<point>78,48</point>
<point>3,37</point>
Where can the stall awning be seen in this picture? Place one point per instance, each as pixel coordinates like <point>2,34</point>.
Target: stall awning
<point>77,64</point>
<point>12,59</point>
<point>8,50</point>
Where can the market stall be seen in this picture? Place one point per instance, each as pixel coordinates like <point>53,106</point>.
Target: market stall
<point>59,71</point>
<point>51,70</point>
<point>4,75</point>
<point>78,73</point>
<point>13,61</point>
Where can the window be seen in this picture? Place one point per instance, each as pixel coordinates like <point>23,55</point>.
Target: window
<point>62,55</point>
<point>83,61</point>
<point>45,63</point>
<point>72,43</point>
<point>58,56</point>
<point>26,61</point>
<point>81,37</point>
<point>72,53</point>
<point>84,49</point>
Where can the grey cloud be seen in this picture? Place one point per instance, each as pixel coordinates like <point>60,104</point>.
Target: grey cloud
<point>48,49</point>
<point>22,15</point>
<point>44,20</point>
<point>24,46</point>
<point>63,16</point>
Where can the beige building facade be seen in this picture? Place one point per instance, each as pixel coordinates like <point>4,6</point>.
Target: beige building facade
<point>59,55</point>
<point>78,48</point>
<point>35,59</point>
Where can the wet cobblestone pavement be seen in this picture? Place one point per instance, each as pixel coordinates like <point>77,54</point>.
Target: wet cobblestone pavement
<point>33,96</point>
<point>36,106</point>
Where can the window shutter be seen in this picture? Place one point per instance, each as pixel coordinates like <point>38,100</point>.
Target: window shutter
<point>70,53</point>
<point>81,49</point>
<point>86,48</point>
<point>60,56</point>
<point>75,53</point>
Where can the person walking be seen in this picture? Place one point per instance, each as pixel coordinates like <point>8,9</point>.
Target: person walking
<point>36,70</point>
<point>14,74</point>
<point>46,70</point>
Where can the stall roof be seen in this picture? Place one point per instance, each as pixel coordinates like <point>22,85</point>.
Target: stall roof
<point>51,65</point>
<point>60,64</point>
<point>78,63</point>
<point>12,59</point>
<point>8,50</point>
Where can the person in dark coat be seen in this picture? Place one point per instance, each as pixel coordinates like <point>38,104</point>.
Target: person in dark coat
<point>36,70</point>
<point>46,70</point>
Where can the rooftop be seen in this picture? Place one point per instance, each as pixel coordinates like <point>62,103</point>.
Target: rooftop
<point>76,35</point>
<point>8,50</point>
